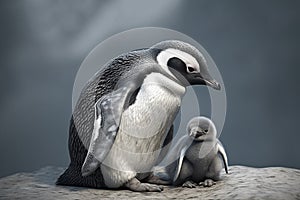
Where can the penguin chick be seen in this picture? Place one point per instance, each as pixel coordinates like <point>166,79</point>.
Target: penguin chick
<point>202,161</point>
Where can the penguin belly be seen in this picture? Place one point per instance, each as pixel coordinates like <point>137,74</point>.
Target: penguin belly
<point>143,128</point>
<point>200,165</point>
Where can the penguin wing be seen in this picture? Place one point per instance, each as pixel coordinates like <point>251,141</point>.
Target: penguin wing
<point>176,155</point>
<point>179,163</point>
<point>222,152</point>
<point>108,111</point>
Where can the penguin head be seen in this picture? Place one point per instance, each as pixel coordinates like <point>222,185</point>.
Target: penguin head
<point>201,129</point>
<point>185,62</point>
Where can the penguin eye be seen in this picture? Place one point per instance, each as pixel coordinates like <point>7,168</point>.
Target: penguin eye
<point>205,130</point>
<point>190,69</point>
<point>177,64</point>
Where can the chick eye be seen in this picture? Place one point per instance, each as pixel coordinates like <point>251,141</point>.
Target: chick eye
<point>190,69</point>
<point>205,130</point>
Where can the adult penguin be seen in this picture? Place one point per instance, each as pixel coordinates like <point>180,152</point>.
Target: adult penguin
<point>124,115</point>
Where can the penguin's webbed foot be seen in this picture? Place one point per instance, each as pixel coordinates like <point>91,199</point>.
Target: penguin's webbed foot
<point>207,183</point>
<point>136,186</point>
<point>189,184</point>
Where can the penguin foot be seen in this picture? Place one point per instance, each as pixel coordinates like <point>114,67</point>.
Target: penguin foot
<point>189,184</point>
<point>207,183</point>
<point>156,180</point>
<point>136,186</point>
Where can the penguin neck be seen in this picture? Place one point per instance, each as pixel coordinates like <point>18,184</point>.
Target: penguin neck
<point>165,82</point>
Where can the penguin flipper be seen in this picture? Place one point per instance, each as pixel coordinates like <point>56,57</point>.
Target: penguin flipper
<point>174,158</point>
<point>179,164</point>
<point>223,154</point>
<point>108,111</point>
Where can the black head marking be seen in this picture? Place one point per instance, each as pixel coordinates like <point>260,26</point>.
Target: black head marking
<point>177,64</point>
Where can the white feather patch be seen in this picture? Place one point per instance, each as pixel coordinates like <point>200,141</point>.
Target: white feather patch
<point>165,55</point>
<point>97,126</point>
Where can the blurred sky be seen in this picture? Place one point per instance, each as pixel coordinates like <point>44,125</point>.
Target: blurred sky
<point>255,45</point>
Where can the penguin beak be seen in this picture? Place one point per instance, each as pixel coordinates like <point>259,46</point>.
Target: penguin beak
<point>199,133</point>
<point>196,132</point>
<point>202,78</point>
<point>199,79</point>
<point>213,83</point>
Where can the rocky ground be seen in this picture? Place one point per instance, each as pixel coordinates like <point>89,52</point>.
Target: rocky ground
<point>241,183</point>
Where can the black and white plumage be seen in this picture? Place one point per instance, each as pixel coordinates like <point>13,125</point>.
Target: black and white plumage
<point>114,111</point>
<point>199,156</point>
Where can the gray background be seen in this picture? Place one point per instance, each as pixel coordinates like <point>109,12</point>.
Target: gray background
<point>255,45</point>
